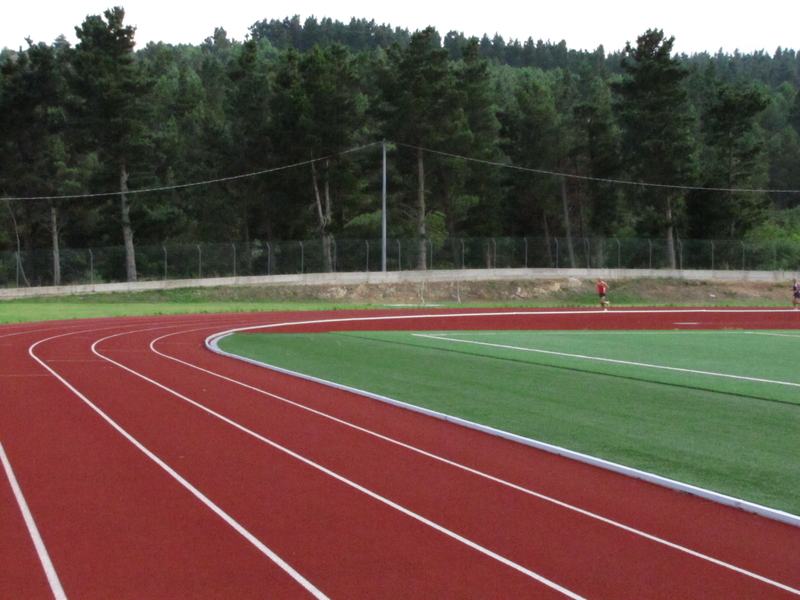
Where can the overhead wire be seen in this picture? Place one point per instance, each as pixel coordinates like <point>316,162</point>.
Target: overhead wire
<point>428,150</point>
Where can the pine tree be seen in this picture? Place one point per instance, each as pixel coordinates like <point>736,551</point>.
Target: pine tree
<point>114,106</point>
<point>658,144</point>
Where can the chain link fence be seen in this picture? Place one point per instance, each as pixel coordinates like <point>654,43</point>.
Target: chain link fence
<point>195,261</point>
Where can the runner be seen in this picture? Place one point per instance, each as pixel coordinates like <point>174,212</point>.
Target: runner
<point>795,293</point>
<point>602,288</point>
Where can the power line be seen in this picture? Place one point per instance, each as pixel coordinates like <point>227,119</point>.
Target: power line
<point>195,184</point>
<point>599,179</point>
<point>467,158</point>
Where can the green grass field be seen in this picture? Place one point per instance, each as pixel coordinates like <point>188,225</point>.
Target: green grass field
<point>132,305</point>
<point>716,409</point>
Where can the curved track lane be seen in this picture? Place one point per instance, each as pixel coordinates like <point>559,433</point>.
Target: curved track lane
<point>154,468</point>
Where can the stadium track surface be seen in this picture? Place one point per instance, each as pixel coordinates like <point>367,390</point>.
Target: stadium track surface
<point>147,477</point>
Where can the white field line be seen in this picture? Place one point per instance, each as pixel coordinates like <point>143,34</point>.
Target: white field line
<point>608,360</point>
<point>33,531</point>
<point>789,335</point>
<point>605,464</point>
<point>204,499</point>
<point>338,477</point>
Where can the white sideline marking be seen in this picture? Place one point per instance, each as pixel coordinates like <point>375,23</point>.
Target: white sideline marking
<point>33,531</point>
<point>610,360</point>
<point>197,493</point>
<point>370,493</point>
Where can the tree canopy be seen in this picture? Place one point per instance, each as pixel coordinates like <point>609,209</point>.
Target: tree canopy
<point>487,137</point>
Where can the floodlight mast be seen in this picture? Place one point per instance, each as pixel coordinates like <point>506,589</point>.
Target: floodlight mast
<point>383,213</point>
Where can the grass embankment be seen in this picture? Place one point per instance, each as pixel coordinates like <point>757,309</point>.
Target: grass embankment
<point>735,436</point>
<point>158,302</point>
<point>513,293</point>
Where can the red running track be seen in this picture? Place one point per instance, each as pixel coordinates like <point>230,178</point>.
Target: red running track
<point>151,468</point>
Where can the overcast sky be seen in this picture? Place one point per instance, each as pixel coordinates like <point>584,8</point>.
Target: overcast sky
<point>697,25</point>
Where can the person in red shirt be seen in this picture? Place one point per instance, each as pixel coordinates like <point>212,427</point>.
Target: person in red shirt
<point>602,288</point>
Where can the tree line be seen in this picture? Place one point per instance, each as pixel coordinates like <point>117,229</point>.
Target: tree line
<point>102,144</point>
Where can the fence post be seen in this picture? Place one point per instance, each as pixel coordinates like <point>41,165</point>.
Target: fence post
<point>199,262</point>
<point>91,266</point>
<point>463,255</point>
<point>650,244</point>
<point>680,255</point>
<point>619,254</point>
<point>164,248</point>
<point>494,253</point>
<point>712,255</point>
<point>234,259</point>
<point>430,243</point>
<point>367,243</point>
<point>269,260</point>
<point>16,255</point>
<point>302,258</point>
<point>335,255</point>
<point>399,257</point>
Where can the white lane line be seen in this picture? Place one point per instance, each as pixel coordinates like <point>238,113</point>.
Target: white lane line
<point>609,360</point>
<point>464,467</point>
<point>33,531</point>
<point>197,493</point>
<point>341,478</point>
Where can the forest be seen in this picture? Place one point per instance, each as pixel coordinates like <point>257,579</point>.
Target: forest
<point>281,137</point>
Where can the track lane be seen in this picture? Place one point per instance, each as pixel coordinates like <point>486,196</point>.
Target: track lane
<point>26,570</point>
<point>734,536</point>
<point>417,470</point>
<point>114,524</point>
<point>730,534</point>
<point>302,514</point>
<point>408,472</point>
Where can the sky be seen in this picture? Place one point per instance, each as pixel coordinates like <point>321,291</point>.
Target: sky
<point>697,25</point>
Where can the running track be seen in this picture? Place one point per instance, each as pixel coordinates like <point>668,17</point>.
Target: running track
<point>139,465</point>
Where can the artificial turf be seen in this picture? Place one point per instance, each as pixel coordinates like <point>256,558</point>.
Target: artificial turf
<point>735,436</point>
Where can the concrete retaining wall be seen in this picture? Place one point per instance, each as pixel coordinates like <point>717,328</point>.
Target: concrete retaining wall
<point>396,277</point>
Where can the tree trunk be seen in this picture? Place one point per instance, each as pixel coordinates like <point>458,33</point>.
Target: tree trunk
<point>670,236</point>
<point>127,231</point>
<point>731,207</point>
<point>324,217</point>
<point>567,225</point>
<point>54,238</point>
<point>422,261</point>
<point>547,239</point>
<point>450,224</point>
<point>20,270</point>
<point>247,248</point>
<point>584,236</point>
